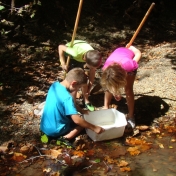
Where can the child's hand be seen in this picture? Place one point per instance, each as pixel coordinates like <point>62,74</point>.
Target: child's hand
<point>99,130</point>
<point>65,67</point>
<point>128,45</point>
<point>117,97</point>
<point>85,111</point>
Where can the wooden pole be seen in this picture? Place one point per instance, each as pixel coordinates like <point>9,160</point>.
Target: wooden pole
<point>75,28</point>
<point>140,25</point>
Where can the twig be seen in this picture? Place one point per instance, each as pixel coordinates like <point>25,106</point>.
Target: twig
<point>38,150</point>
<point>88,167</point>
<point>108,168</point>
<point>33,157</point>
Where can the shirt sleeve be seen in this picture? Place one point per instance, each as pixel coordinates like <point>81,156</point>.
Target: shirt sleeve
<point>130,65</point>
<point>70,108</point>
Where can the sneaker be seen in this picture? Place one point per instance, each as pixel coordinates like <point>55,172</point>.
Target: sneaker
<point>90,107</point>
<point>44,138</point>
<point>64,141</point>
<point>131,123</point>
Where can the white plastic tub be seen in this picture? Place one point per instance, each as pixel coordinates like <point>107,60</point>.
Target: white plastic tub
<point>111,120</point>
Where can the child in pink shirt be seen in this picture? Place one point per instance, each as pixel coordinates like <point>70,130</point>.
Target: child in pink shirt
<point>119,72</point>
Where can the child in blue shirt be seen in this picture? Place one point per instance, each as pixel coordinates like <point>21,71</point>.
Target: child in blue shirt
<point>60,116</point>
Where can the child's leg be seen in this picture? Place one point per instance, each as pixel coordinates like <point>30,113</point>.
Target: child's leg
<point>85,93</point>
<point>130,95</point>
<point>107,99</point>
<point>74,132</point>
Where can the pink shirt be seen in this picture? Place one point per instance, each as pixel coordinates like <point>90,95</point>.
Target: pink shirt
<point>124,57</point>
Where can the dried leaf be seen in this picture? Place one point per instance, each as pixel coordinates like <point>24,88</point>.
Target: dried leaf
<point>110,160</point>
<point>18,157</point>
<point>90,153</point>
<point>47,170</point>
<point>123,169</point>
<point>135,132</point>
<point>75,160</point>
<point>24,149</point>
<point>135,141</point>
<point>79,153</point>
<point>171,129</point>
<point>119,151</point>
<point>55,153</point>
<point>161,145</point>
<point>145,147</point>
<point>133,151</point>
<point>143,127</point>
<point>155,130</point>
<point>123,163</point>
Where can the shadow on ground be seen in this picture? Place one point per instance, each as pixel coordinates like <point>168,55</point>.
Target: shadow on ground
<point>147,108</point>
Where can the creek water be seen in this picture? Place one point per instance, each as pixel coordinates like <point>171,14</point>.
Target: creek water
<point>160,160</point>
<point>156,162</point>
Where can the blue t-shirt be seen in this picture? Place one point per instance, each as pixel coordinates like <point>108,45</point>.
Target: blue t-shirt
<point>55,120</point>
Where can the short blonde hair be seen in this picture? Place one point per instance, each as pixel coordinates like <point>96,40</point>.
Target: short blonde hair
<point>78,75</point>
<point>113,78</point>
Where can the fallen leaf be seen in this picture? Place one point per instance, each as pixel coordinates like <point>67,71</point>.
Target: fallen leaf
<point>55,153</point>
<point>133,151</point>
<point>79,153</point>
<point>47,169</point>
<point>119,151</point>
<point>135,132</point>
<point>161,145</point>
<point>145,147</point>
<point>135,141</point>
<point>24,149</point>
<point>155,130</point>
<point>123,163</point>
<point>143,127</point>
<point>123,169</point>
<point>110,160</point>
<point>18,157</point>
<point>90,153</point>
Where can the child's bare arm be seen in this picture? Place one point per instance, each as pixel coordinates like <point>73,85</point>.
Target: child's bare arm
<point>81,122</point>
<point>136,52</point>
<point>61,50</point>
<point>82,111</point>
<point>91,78</point>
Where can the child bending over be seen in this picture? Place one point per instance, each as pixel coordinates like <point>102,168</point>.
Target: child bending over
<point>119,72</point>
<point>60,116</point>
<point>82,52</point>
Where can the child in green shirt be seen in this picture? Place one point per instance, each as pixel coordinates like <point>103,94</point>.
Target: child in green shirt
<point>81,51</point>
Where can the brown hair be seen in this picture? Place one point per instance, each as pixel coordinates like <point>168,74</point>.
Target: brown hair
<point>113,78</point>
<point>93,58</point>
<point>78,75</point>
